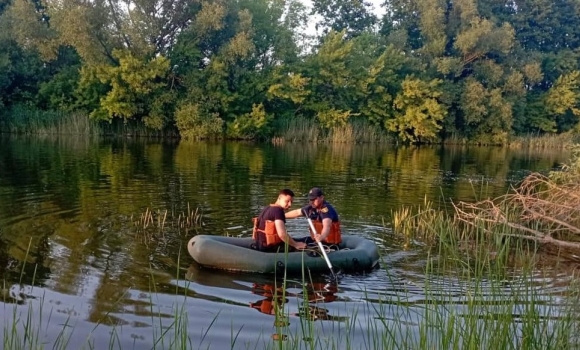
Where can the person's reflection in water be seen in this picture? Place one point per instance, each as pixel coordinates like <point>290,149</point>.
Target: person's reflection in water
<point>320,292</point>
<point>315,313</point>
<point>272,304</point>
<point>313,293</point>
<point>275,298</point>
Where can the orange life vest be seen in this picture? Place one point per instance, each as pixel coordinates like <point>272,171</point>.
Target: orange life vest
<point>333,237</point>
<point>265,306</point>
<point>269,232</point>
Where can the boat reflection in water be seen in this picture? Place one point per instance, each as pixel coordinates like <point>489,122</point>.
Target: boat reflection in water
<point>303,299</point>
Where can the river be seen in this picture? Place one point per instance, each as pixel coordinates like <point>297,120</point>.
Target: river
<point>77,259</point>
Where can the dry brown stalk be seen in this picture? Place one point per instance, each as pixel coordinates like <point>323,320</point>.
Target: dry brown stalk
<point>539,209</point>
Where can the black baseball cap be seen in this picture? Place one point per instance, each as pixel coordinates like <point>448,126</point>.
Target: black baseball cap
<point>314,193</point>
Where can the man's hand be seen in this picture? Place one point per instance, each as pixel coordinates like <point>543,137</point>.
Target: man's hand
<point>300,245</point>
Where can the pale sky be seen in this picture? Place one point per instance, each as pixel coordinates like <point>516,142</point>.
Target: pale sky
<point>376,5</point>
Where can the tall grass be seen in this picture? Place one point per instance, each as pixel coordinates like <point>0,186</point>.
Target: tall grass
<point>30,121</point>
<point>500,301</point>
<point>23,120</point>
<point>532,141</point>
<point>301,129</point>
<point>476,298</point>
<point>359,131</point>
<point>297,129</point>
<point>557,141</point>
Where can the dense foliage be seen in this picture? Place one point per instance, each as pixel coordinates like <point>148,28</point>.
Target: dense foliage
<point>482,70</point>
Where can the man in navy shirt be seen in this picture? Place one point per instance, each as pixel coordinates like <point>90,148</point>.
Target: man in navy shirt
<point>324,217</point>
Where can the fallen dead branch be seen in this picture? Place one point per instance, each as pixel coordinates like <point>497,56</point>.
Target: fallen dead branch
<point>539,209</point>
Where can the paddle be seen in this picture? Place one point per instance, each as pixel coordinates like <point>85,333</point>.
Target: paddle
<point>320,246</point>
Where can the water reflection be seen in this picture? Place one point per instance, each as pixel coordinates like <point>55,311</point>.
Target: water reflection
<point>15,294</point>
<point>67,210</point>
<point>313,295</point>
<point>307,298</point>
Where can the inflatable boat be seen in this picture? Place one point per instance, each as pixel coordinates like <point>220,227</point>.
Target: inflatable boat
<point>235,254</point>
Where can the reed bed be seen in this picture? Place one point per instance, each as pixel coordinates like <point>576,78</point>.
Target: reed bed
<point>543,210</point>
<point>152,225</point>
<point>22,120</point>
<point>479,307</point>
<point>307,130</point>
<point>297,129</point>
<point>557,141</point>
<point>359,131</point>
<point>29,121</point>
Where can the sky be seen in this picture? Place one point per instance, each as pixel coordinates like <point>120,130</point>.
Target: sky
<point>376,6</point>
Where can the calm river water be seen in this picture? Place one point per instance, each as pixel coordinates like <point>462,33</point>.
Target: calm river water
<point>74,255</point>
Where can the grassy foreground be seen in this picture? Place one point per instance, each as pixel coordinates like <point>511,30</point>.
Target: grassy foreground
<point>485,296</point>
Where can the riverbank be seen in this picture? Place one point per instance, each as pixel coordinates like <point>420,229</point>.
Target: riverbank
<point>35,122</point>
<point>542,211</point>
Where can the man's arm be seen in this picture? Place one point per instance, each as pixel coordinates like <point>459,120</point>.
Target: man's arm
<point>284,236</point>
<point>326,225</point>
<point>293,214</point>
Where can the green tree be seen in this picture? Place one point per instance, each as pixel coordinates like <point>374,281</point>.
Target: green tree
<point>21,68</point>
<point>145,28</point>
<point>352,16</point>
<point>195,123</point>
<point>380,84</point>
<point>486,113</point>
<point>418,112</point>
<point>253,125</point>
<point>563,100</point>
<point>401,24</point>
<point>133,85</point>
<point>331,80</point>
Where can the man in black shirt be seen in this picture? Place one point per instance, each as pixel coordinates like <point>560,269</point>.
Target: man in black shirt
<point>270,233</point>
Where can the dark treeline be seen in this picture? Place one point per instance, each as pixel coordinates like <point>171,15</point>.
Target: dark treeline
<point>482,70</point>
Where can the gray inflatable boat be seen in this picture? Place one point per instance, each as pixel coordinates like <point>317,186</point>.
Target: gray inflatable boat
<point>235,254</point>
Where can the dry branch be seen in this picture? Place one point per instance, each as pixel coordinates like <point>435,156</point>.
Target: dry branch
<point>539,209</point>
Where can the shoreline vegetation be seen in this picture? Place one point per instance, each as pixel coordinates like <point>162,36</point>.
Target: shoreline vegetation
<point>43,123</point>
<point>494,294</point>
<point>486,284</point>
<point>542,211</point>
<point>402,71</point>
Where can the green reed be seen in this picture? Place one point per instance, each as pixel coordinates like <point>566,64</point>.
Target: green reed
<point>151,226</point>
<point>557,141</point>
<point>495,302</point>
<point>24,120</point>
<point>308,130</point>
<point>31,121</point>
<point>499,310</point>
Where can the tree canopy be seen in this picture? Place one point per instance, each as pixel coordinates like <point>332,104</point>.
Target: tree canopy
<point>426,70</point>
